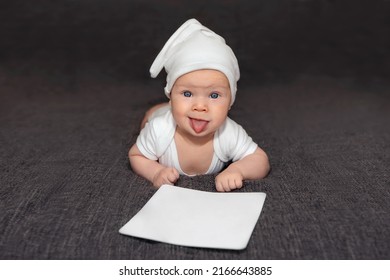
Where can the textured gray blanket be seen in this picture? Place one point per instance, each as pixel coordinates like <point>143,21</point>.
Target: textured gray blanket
<point>74,87</point>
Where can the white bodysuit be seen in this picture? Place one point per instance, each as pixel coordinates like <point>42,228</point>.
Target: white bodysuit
<point>156,142</point>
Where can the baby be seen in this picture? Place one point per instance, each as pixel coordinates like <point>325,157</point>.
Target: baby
<point>192,134</point>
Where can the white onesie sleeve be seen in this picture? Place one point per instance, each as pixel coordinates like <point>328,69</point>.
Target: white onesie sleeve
<point>232,142</point>
<point>156,136</point>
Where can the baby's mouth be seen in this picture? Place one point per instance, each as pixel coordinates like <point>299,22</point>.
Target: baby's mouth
<point>198,125</point>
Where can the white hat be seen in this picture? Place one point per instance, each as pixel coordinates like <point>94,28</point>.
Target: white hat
<point>195,47</point>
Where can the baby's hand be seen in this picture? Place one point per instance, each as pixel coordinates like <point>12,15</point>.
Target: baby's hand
<point>166,175</point>
<point>228,180</point>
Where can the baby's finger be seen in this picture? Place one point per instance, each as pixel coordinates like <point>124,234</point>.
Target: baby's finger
<point>238,183</point>
<point>176,173</point>
<point>173,175</point>
<point>229,185</point>
<point>224,184</point>
<point>218,185</point>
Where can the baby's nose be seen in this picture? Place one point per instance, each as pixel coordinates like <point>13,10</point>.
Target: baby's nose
<point>200,106</point>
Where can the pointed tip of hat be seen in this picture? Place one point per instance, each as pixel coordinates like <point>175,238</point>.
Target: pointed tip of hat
<point>158,63</point>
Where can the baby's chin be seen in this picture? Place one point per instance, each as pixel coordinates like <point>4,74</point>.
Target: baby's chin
<point>191,133</point>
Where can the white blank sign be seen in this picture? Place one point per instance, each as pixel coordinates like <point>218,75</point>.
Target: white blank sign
<point>195,218</point>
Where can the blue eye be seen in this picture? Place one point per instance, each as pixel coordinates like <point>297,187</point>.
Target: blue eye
<point>187,94</point>
<point>214,95</point>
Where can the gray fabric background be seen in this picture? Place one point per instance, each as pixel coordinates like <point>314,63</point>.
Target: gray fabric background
<point>314,95</point>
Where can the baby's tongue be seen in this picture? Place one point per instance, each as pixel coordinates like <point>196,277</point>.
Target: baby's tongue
<point>198,125</point>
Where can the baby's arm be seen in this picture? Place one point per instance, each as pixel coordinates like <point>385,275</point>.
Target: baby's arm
<point>151,169</point>
<point>253,166</point>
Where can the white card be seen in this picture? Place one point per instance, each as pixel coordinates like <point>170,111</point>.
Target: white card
<point>194,218</point>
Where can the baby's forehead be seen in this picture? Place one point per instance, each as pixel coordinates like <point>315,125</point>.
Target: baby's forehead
<point>204,78</point>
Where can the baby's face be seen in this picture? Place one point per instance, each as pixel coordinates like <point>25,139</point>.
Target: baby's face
<point>200,102</point>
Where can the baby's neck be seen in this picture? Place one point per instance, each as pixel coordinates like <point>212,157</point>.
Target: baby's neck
<point>195,153</point>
